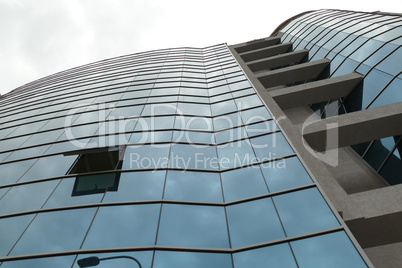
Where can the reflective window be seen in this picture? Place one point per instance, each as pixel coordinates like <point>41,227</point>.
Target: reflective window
<point>189,156</point>
<point>152,123</point>
<point>44,234</point>
<point>223,107</point>
<point>41,169</point>
<point>330,250</point>
<point>284,174</point>
<point>151,137</point>
<point>379,150</point>
<point>273,256</point>
<point>193,137</point>
<point>193,123</point>
<point>193,226</point>
<point>392,169</point>
<point>123,226</point>
<point>253,222</point>
<point>193,109</point>
<point>271,146</point>
<point>248,102</point>
<point>165,259</point>
<point>27,197</point>
<point>13,171</point>
<point>391,94</point>
<point>230,134</point>
<point>227,121</point>
<point>146,156</point>
<point>118,259</point>
<point>255,115</point>
<point>62,261</point>
<point>140,185</point>
<point>193,186</point>
<point>235,154</point>
<point>11,229</point>
<point>304,211</point>
<point>260,128</point>
<point>242,183</point>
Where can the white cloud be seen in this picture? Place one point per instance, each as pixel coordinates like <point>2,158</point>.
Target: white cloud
<point>42,37</point>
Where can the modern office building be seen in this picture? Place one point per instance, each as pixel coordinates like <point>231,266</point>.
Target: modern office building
<point>278,152</point>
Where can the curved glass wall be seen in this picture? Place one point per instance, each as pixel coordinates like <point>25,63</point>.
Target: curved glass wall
<point>367,43</point>
<point>166,158</point>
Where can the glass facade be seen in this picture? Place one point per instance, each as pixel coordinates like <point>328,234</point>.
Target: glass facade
<point>366,43</point>
<point>166,158</point>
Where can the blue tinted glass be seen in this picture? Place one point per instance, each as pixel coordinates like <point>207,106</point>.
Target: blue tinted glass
<point>131,225</point>
<point>44,234</point>
<point>140,185</point>
<point>391,64</point>
<point>392,169</point>
<point>230,134</point>
<point>273,256</point>
<point>271,146</point>
<point>223,107</point>
<point>63,195</point>
<point>151,137</point>
<point>304,211</point>
<point>193,186</point>
<point>379,54</point>
<point>192,156</point>
<point>253,222</point>
<point>63,261</point>
<point>255,115</point>
<point>330,250</point>
<point>27,197</point>
<point>194,109</point>
<point>260,128</point>
<point>164,259</point>
<point>243,183</point>
<point>227,121</point>
<point>378,151</point>
<point>369,47</point>
<point>120,259</point>
<point>392,94</point>
<point>193,123</point>
<point>41,169</point>
<point>248,102</point>
<point>235,154</point>
<point>348,66</point>
<point>13,171</point>
<point>151,123</point>
<point>193,226</point>
<point>193,137</point>
<point>10,230</point>
<point>284,174</point>
<point>146,156</point>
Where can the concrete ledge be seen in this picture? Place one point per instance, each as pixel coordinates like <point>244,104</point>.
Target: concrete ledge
<point>278,61</point>
<point>317,91</point>
<point>355,128</point>
<point>257,44</point>
<point>266,52</point>
<point>296,73</point>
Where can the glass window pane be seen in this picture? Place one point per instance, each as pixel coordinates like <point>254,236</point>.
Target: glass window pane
<point>227,121</point>
<point>140,185</point>
<point>271,146</point>
<point>255,115</point>
<point>143,257</point>
<point>223,107</point>
<point>392,169</point>
<point>146,156</point>
<point>41,169</point>
<point>193,123</point>
<point>193,226</point>
<point>378,151</point>
<point>190,156</point>
<point>330,250</point>
<point>193,186</point>
<point>243,183</point>
<point>123,226</point>
<point>260,128</point>
<point>164,259</point>
<point>392,94</point>
<point>274,256</point>
<point>27,197</point>
<point>13,171</point>
<point>253,222</point>
<point>193,137</point>
<point>235,154</point>
<point>284,174</point>
<point>248,102</point>
<point>62,261</point>
<point>304,211</point>
<point>151,136</point>
<point>10,230</point>
<point>44,234</point>
<point>194,109</point>
<point>230,134</point>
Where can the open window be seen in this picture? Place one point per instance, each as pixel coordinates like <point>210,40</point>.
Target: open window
<point>90,168</point>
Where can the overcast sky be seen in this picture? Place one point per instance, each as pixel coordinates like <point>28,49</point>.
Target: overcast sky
<point>42,37</point>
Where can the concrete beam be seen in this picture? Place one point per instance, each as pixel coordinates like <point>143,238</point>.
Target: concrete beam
<point>296,73</point>
<point>354,128</point>
<point>317,91</point>
<point>266,52</point>
<point>257,44</point>
<point>278,61</point>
